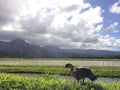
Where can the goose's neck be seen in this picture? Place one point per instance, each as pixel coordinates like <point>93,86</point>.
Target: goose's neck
<point>72,71</point>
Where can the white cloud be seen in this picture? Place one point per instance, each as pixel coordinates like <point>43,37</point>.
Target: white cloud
<point>108,42</point>
<point>99,27</point>
<point>115,8</point>
<point>112,27</point>
<point>92,16</point>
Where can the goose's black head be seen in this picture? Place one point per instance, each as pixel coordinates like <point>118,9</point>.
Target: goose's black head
<point>68,65</point>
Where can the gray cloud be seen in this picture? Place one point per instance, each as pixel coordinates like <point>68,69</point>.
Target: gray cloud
<point>71,8</point>
<point>8,9</point>
<point>36,25</point>
<point>9,35</point>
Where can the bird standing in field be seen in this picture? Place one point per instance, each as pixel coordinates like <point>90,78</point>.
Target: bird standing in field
<point>81,73</point>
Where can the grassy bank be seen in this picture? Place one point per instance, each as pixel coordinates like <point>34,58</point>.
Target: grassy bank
<point>11,82</point>
<point>99,71</point>
<point>81,59</point>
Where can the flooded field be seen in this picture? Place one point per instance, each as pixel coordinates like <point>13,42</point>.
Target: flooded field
<point>59,62</point>
<point>69,78</point>
<point>63,62</point>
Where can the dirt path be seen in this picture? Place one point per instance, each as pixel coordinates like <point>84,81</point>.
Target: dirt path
<point>60,62</point>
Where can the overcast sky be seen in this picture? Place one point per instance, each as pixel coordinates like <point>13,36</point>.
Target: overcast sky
<point>85,24</point>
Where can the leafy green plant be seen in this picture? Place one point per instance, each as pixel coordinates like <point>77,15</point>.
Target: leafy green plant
<point>47,82</point>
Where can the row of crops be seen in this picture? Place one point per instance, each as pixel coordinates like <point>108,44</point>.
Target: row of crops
<point>48,82</point>
<point>99,71</point>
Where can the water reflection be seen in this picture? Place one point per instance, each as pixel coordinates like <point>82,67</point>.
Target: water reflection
<point>99,79</point>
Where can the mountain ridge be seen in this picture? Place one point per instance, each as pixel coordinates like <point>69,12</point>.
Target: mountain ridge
<point>21,48</point>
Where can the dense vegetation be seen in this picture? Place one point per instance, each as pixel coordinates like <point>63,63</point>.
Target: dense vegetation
<point>47,82</point>
<point>99,71</point>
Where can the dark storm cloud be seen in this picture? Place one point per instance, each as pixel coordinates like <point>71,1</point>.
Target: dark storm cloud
<point>91,40</point>
<point>9,35</point>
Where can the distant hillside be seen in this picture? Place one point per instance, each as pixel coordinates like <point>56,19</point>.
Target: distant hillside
<point>20,48</point>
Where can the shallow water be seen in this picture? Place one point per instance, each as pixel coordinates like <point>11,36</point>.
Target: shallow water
<point>99,79</point>
<point>69,78</point>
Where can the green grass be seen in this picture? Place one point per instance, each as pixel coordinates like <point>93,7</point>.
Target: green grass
<point>106,71</point>
<point>99,71</point>
<point>47,82</point>
<point>33,69</point>
<point>81,59</point>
